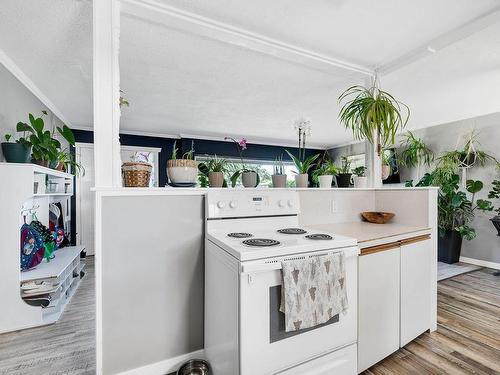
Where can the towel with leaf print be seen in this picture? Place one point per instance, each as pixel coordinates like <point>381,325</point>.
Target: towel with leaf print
<point>313,290</point>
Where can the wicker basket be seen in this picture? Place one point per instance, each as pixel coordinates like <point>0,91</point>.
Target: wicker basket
<point>136,174</point>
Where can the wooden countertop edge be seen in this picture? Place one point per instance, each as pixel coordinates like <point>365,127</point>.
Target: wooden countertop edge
<point>394,244</point>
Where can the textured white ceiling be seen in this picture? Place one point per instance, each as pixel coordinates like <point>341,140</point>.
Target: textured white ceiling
<point>179,83</point>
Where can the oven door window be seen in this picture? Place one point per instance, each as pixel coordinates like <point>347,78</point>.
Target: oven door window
<point>277,318</point>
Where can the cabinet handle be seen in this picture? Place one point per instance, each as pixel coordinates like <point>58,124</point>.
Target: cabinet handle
<point>415,239</point>
<point>379,248</point>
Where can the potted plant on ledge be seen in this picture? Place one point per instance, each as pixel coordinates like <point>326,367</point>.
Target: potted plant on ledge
<point>344,176</point>
<point>213,171</point>
<point>495,194</point>
<point>18,151</point>
<point>360,180</point>
<point>182,172</point>
<point>323,176</point>
<point>249,178</point>
<point>279,176</point>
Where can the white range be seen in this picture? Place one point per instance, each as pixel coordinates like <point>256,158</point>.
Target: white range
<point>248,234</point>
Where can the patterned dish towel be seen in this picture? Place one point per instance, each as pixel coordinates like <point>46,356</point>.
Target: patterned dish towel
<point>313,291</point>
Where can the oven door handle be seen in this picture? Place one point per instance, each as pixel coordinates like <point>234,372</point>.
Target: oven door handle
<point>275,264</point>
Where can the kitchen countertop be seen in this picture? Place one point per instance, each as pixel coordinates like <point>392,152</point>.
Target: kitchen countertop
<point>369,234</point>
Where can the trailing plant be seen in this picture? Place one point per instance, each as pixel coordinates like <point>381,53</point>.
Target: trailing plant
<point>345,165</point>
<point>278,167</point>
<point>359,171</point>
<point>65,158</point>
<point>44,146</point>
<point>373,114</point>
<point>302,166</point>
<point>415,152</point>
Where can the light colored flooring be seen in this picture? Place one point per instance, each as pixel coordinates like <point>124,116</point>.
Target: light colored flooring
<point>467,340</point>
<point>445,270</point>
<point>64,348</point>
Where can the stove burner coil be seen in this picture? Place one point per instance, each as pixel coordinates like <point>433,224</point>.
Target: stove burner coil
<point>292,231</point>
<point>239,235</point>
<point>261,242</point>
<point>319,236</point>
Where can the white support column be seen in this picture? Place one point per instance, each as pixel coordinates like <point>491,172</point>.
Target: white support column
<point>106,19</point>
<point>373,160</point>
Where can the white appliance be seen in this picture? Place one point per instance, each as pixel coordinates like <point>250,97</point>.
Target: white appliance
<point>244,329</point>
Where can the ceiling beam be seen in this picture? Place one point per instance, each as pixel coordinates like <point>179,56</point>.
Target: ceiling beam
<point>442,41</point>
<point>12,67</point>
<point>156,12</point>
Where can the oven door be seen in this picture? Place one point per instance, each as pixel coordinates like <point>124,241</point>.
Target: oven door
<point>265,347</point>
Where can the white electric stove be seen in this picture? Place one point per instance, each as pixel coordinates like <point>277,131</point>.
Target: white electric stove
<point>248,234</point>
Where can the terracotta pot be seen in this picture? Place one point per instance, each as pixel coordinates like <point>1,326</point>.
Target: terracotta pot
<point>216,179</point>
<point>360,182</point>
<point>60,167</point>
<point>302,180</point>
<point>249,179</point>
<point>182,171</point>
<point>325,181</point>
<point>43,163</point>
<point>386,172</point>
<point>279,180</point>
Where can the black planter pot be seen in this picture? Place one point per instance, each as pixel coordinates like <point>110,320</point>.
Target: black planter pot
<point>496,223</point>
<point>449,247</point>
<point>343,180</point>
<point>16,152</point>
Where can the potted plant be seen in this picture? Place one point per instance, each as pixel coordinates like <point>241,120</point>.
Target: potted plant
<point>415,153</point>
<point>344,176</point>
<point>65,162</point>
<point>183,171</point>
<point>302,169</point>
<point>249,177</point>
<point>323,176</point>
<point>213,169</point>
<point>45,148</point>
<point>386,164</point>
<point>495,194</point>
<point>279,176</point>
<point>360,180</point>
<point>373,114</point>
<point>18,151</point>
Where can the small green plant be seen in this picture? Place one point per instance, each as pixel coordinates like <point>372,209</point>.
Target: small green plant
<point>68,160</point>
<point>303,166</point>
<point>8,137</point>
<point>345,165</point>
<point>359,171</point>
<point>326,168</point>
<point>278,167</point>
<point>213,164</point>
<point>189,155</point>
<point>415,152</point>
<point>495,194</point>
<point>173,156</point>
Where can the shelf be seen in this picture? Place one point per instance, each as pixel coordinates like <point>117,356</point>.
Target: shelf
<point>53,195</point>
<point>54,268</point>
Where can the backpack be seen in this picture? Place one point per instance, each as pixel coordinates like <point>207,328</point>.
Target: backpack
<point>32,249</point>
<point>48,241</point>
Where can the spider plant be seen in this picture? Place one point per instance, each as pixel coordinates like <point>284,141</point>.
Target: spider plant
<point>415,152</point>
<point>373,114</point>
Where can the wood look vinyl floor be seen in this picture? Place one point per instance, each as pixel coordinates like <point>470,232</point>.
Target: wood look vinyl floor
<point>64,348</point>
<point>467,340</point>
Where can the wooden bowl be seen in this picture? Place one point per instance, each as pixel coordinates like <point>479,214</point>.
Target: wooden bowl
<point>377,217</point>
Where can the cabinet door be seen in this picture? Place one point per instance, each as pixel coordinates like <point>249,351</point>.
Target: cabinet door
<point>415,288</point>
<point>378,324</point>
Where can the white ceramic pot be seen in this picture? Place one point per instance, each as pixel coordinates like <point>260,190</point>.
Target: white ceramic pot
<point>325,181</point>
<point>249,179</point>
<point>360,182</point>
<point>279,180</point>
<point>301,180</point>
<point>182,171</point>
<point>386,171</point>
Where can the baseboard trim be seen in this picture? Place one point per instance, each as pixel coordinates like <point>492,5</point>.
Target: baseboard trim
<point>479,262</point>
<point>164,367</point>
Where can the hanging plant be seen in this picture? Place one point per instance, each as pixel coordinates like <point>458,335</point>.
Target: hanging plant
<point>373,114</point>
<point>415,152</point>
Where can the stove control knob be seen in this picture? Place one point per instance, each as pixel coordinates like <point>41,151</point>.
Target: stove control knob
<point>281,203</point>
<point>233,204</point>
<point>221,204</point>
<point>290,203</point>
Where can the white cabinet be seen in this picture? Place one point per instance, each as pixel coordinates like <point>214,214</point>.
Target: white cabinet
<point>415,287</point>
<point>379,304</point>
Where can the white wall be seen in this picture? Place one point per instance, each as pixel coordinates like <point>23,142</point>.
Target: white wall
<point>16,101</point>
